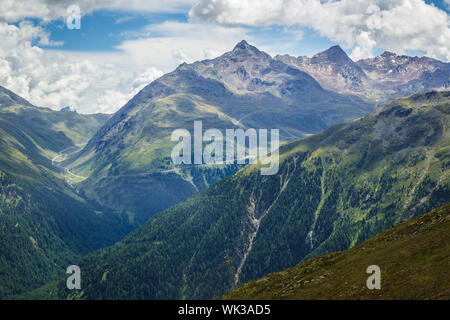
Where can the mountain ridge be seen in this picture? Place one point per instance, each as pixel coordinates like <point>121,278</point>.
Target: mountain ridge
<point>378,79</point>
<point>244,88</point>
<point>8,98</point>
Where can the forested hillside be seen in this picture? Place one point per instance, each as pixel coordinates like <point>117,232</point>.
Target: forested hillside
<point>413,257</point>
<point>44,224</point>
<point>334,190</point>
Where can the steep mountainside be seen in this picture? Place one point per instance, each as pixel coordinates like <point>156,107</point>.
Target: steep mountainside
<point>378,79</point>
<point>128,161</point>
<point>333,191</point>
<point>414,259</point>
<point>72,129</point>
<point>44,224</point>
<point>9,98</point>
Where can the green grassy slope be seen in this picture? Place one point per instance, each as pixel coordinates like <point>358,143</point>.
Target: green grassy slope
<point>414,259</point>
<point>69,128</point>
<point>44,224</point>
<point>334,190</point>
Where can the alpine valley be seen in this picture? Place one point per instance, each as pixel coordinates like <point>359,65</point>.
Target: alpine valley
<point>334,190</point>
<point>128,161</point>
<point>364,147</point>
<point>45,225</point>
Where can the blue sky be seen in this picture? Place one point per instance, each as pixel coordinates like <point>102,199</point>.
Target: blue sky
<point>105,30</point>
<point>125,44</point>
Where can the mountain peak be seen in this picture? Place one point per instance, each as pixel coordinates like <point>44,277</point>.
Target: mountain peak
<point>333,54</point>
<point>336,50</point>
<point>244,47</point>
<point>68,109</point>
<point>387,54</point>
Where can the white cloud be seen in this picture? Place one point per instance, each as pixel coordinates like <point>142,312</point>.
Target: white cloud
<point>98,81</point>
<point>90,83</point>
<point>16,10</point>
<point>398,25</point>
<point>103,82</point>
<point>176,42</point>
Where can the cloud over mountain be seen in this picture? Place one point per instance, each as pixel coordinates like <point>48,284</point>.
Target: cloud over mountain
<point>103,80</point>
<point>395,25</point>
<point>56,79</point>
<point>13,10</point>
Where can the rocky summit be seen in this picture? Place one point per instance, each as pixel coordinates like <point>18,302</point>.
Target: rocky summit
<point>377,79</point>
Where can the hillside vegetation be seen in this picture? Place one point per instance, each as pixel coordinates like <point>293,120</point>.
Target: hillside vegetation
<point>414,259</point>
<point>334,190</point>
<point>44,224</point>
